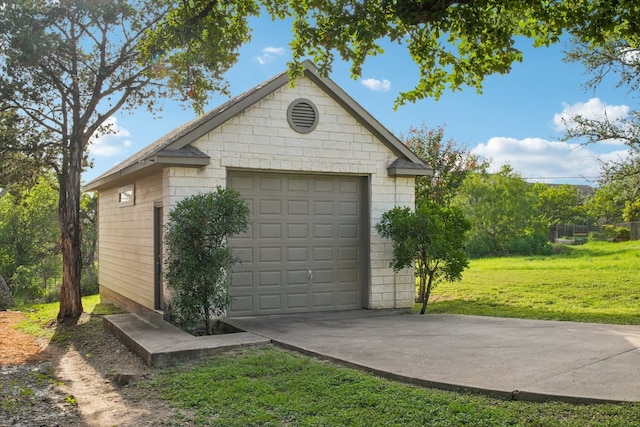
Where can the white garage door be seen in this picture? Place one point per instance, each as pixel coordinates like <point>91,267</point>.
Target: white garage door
<point>304,250</point>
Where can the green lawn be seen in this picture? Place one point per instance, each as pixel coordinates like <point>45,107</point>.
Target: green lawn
<point>595,282</point>
<point>274,387</point>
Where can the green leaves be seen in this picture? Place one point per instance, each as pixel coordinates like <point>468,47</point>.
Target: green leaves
<point>199,262</point>
<point>431,238</point>
<point>503,210</point>
<point>195,43</point>
<point>29,250</point>
<point>454,44</point>
<point>450,164</point>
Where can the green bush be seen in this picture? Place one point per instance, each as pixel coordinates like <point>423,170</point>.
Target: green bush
<point>431,239</point>
<point>52,293</point>
<point>199,261</point>
<point>89,280</point>
<point>610,233</point>
<point>533,244</point>
<point>621,234</point>
<point>27,285</point>
<point>528,245</point>
<point>480,246</point>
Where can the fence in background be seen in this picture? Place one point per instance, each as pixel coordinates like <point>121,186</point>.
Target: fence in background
<point>558,231</point>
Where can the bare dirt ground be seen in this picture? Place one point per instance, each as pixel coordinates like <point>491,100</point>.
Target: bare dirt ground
<point>82,376</point>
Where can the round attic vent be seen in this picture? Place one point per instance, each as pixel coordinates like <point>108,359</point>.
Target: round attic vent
<point>302,115</point>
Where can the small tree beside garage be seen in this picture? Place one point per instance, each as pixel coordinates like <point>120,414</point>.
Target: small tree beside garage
<point>431,238</point>
<point>198,259</point>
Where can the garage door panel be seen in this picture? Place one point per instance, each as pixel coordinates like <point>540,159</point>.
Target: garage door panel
<point>242,182</point>
<point>323,231</point>
<point>270,255</point>
<point>242,304</point>
<point>298,207</point>
<point>350,186</point>
<point>347,253</point>
<point>270,302</point>
<point>297,277</point>
<point>323,254</point>
<point>348,298</point>
<point>245,254</point>
<point>270,183</point>
<point>297,254</point>
<point>323,208</point>
<point>304,250</point>
<point>323,300</point>
<point>321,277</point>
<point>350,208</point>
<point>270,207</point>
<point>324,185</point>
<point>348,275</point>
<point>296,185</point>
<point>348,231</point>
<point>243,279</point>
<point>270,278</point>
<point>297,231</point>
<point>297,301</point>
<point>270,231</point>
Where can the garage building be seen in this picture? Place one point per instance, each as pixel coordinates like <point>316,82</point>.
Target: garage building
<point>317,171</point>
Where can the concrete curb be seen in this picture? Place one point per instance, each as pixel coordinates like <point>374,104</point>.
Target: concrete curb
<point>161,344</point>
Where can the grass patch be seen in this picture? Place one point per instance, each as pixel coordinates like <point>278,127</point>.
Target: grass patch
<point>596,282</point>
<point>273,387</point>
<point>41,318</point>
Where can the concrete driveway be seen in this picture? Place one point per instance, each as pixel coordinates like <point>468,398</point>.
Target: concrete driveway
<point>514,358</point>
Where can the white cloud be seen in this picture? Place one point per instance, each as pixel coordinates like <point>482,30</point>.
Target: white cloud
<point>542,160</point>
<point>111,141</point>
<point>545,160</point>
<point>593,109</point>
<point>269,54</point>
<point>377,85</point>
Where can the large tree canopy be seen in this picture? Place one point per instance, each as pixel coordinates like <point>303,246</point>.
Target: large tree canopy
<point>614,56</point>
<point>454,43</point>
<point>66,67</point>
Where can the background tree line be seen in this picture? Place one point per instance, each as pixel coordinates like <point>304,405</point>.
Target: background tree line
<point>508,215</point>
<point>30,258</point>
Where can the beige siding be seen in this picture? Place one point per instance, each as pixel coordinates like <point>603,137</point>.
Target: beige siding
<point>125,236</point>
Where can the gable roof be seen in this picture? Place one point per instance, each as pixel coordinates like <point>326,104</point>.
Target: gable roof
<point>174,148</point>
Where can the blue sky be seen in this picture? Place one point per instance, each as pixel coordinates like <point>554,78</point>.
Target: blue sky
<point>516,120</point>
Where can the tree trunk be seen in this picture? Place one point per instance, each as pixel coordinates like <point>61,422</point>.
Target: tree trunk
<point>421,288</point>
<point>207,321</point>
<point>70,239</point>
<point>427,293</point>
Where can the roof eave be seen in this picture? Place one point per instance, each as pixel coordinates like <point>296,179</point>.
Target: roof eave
<point>409,172</point>
<point>157,162</point>
<point>185,161</point>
